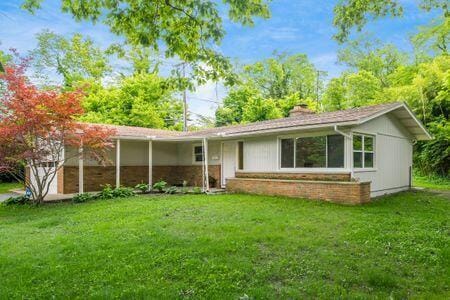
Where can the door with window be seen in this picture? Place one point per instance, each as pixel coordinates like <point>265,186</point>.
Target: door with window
<point>228,160</point>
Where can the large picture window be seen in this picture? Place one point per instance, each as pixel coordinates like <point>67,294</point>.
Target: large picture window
<point>363,151</point>
<point>313,152</point>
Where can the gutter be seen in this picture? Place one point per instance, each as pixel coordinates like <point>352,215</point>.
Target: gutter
<point>341,133</point>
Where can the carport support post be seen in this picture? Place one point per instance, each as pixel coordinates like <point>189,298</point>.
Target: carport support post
<point>150,164</point>
<point>205,147</point>
<point>80,171</point>
<point>118,163</point>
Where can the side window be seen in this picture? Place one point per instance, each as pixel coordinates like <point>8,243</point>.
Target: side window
<point>363,151</point>
<point>198,153</point>
<point>240,155</point>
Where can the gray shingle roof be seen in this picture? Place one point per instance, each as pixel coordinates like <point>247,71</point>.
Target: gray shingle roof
<point>341,116</point>
<point>353,115</point>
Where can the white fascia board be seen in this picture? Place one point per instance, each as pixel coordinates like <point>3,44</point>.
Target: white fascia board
<point>285,129</point>
<point>411,114</point>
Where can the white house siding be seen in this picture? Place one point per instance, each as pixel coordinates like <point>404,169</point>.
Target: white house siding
<point>53,185</point>
<point>393,156</point>
<point>260,154</point>
<point>185,153</point>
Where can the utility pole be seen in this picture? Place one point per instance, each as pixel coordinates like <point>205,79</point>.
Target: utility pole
<point>317,86</point>
<point>185,108</point>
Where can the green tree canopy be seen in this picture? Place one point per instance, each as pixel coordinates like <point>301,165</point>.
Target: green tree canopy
<point>368,55</point>
<point>354,14</point>
<point>74,59</point>
<point>270,89</point>
<point>143,100</point>
<point>185,29</point>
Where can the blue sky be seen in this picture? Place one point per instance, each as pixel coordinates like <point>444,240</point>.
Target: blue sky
<point>296,26</point>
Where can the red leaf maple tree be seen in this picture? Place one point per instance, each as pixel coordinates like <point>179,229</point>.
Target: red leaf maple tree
<point>37,125</point>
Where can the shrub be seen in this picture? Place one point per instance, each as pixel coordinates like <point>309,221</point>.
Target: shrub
<point>109,193</point>
<point>143,187</point>
<point>196,190</point>
<point>20,200</point>
<point>106,193</point>
<point>171,190</point>
<point>123,192</point>
<point>160,185</point>
<point>80,198</point>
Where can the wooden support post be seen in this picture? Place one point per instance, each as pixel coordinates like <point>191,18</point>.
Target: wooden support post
<point>118,163</point>
<point>150,164</point>
<point>205,159</point>
<point>80,171</point>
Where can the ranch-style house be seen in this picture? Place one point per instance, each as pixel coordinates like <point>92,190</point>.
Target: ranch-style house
<point>345,156</point>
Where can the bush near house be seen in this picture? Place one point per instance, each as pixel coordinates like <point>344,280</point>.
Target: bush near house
<point>227,246</point>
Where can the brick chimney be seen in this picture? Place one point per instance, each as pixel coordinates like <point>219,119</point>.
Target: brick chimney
<point>300,110</point>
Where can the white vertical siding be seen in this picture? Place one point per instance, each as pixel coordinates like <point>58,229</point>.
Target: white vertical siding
<point>185,152</point>
<point>393,156</point>
<point>260,154</point>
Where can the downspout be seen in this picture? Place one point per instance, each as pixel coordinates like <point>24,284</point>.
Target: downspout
<point>341,132</point>
<point>349,136</point>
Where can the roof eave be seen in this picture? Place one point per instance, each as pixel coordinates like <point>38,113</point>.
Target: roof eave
<point>427,135</point>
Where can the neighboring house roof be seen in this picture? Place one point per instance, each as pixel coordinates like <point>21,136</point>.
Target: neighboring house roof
<point>354,116</point>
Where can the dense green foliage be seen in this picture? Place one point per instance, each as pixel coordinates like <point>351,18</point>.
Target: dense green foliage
<point>354,14</point>
<point>186,29</point>
<point>227,246</point>
<point>17,200</point>
<point>73,59</point>
<point>144,100</point>
<point>269,89</point>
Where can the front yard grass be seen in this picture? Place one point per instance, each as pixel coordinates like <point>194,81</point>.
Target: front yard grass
<point>5,187</point>
<point>227,246</point>
<point>432,182</point>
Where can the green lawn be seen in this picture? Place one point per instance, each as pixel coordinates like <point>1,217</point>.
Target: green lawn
<point>434,183</point>
<point>5,187</point>
<point>227,246</point>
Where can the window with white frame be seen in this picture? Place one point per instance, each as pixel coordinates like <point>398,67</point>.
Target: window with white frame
<point>325,151</point>
<point>197,153</point>
<point>240,155</point>
<point>363,151</point>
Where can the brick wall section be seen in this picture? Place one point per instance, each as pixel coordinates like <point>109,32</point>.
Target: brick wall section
<point>338,192</point>
<point>345,176</point>
<point>27,175</point>
<point>60,181</point>
<point>95,177</point>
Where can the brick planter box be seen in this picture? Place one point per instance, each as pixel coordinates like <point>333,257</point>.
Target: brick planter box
<point>345,192</point>
<point>344,176</point>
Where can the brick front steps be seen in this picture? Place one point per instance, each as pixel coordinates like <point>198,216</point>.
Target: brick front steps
<point>345,192</point>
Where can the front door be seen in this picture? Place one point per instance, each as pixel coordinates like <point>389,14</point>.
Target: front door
<point>228,160</point>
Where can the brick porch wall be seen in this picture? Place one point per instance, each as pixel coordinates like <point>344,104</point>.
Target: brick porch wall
<point>344,176</point>
<point>95,177</point>
<point>333,191</point>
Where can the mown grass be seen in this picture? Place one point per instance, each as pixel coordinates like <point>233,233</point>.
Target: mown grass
<point>432,182</point>
<point>5,187</point>
<point>227,246</point>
